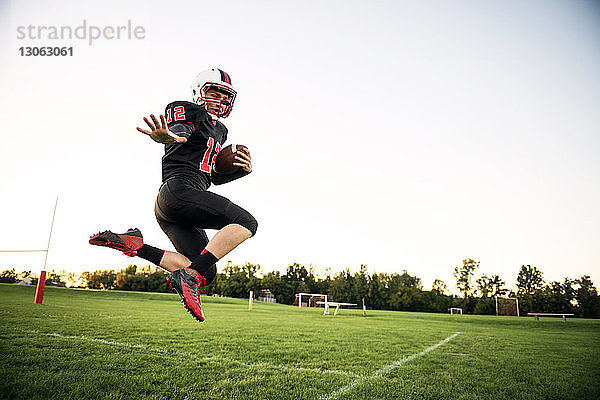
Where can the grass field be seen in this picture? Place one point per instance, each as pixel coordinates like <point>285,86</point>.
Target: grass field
<point>126,345</point>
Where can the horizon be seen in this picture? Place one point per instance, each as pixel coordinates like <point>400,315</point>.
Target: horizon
<point>398,135</point>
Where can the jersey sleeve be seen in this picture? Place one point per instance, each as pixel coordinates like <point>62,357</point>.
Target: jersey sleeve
<point>182,130</point>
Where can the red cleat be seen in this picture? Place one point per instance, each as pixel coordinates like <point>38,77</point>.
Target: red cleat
<point>188,289</point>
<point>128,242</point>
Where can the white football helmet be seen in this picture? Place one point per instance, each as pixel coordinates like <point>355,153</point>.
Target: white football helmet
<point>218,79</point>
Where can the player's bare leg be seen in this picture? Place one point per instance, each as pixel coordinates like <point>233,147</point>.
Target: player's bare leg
<point>172,261</point>
<point>227,239</point>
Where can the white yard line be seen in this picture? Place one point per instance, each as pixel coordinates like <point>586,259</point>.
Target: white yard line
<point>185,354</point>
<point>385,370</point>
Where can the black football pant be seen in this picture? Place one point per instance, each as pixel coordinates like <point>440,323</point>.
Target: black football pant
<point>183,212</point>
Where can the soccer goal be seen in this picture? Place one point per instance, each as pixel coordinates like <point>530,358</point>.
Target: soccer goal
<point>456,310</point>
<point>507,306</point>
<point>309,299</point>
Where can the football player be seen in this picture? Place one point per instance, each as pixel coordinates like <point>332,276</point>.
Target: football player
<point>193,135</point>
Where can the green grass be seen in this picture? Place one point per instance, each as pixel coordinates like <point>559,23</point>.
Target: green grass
<point>123,345</point>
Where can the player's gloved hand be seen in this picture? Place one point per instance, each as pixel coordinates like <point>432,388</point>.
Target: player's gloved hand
<point>160,133</point>
<point>244,160</point>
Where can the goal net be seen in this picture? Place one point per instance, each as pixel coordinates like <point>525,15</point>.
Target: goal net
<point>507,306</point>
<point>309,299</point>
<point>456,310</point>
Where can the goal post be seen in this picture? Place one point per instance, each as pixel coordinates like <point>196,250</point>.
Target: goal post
<point>507,306</point>
<point>41,284</point>
<point>456,310</point>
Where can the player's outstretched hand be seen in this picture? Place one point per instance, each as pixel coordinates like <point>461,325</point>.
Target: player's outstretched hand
<point>159,132</point>
<point>243,159</point>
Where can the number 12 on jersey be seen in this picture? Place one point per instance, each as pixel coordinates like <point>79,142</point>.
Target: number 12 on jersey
<point>207,160</point>
<point>179,113</point>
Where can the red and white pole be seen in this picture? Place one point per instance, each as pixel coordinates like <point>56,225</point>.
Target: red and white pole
<point>39,292</point>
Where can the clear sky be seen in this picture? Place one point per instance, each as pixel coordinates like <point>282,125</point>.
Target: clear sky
<point>396,134</point>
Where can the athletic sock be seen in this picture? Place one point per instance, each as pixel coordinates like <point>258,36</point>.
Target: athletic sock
<point>210,274</point>
<point>204,262</point>
<point>151,254</point>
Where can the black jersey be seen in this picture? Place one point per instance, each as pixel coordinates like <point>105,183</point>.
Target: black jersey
<point>193,159</point>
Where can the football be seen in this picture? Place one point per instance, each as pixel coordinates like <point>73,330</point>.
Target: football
<point>224,161</point>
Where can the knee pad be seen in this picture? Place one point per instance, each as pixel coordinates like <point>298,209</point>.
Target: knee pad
<point>246,220</point>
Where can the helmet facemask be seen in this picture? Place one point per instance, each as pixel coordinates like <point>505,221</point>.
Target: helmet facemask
<point>224,106</point>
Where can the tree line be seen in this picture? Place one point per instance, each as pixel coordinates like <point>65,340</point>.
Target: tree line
<point>383,291</point>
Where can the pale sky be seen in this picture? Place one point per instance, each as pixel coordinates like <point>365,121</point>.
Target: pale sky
<point>396,134</point>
